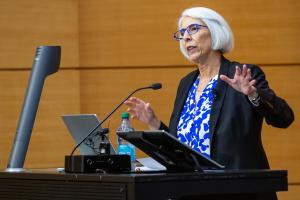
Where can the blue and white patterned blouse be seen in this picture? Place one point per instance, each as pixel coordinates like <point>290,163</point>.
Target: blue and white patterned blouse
<point>193,126</point>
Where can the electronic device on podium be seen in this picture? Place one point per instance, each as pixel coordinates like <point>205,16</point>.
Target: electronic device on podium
<point>92,158</point>
<point>103,161</point>
<point>80,124</point>
<point>169,151</point>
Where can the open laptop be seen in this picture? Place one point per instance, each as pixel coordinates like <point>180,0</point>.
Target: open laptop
<point>80,125</point>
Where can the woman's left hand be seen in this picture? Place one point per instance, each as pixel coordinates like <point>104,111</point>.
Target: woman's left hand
<point>241,81</point>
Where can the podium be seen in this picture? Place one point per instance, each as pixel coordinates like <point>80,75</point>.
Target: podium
<point>212,185</point>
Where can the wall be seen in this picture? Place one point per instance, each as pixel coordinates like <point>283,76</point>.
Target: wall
<point>112,47</point>
<point>24,25</point>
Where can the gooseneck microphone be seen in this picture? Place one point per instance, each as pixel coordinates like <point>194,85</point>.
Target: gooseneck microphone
<point>154,86</point>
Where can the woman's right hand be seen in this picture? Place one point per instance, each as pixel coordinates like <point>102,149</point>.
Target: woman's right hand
<point>143,112</point>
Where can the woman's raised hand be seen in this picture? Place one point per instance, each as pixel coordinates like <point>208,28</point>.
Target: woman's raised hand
<point>241,81</point>
<point>143,112</point>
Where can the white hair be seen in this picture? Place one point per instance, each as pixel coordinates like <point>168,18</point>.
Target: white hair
<point>220,31</point>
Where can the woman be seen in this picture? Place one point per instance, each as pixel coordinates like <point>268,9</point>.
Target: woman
<point>219,107</point>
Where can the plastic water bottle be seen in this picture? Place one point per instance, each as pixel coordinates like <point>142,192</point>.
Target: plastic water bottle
<point>125,147</point>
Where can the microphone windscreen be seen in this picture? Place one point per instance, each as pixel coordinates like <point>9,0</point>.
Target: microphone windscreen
<point>156,86</point>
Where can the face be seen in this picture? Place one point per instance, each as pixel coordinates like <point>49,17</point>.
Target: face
<point>197,45</point>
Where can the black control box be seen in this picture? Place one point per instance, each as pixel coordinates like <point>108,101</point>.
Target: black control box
<point>97,164</point>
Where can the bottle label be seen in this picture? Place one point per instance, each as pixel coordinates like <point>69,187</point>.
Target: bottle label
<point>127,149</point>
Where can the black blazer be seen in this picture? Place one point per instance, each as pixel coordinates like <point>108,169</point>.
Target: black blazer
<point>235,123</point>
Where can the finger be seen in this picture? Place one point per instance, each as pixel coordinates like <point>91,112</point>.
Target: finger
<point>248,75</point>
<point>237,71</point>
<point>226,79</point>
<point>244,72</point>
<point>136,100</point>
<point>130,104</point>
<point>133,98</point>
<point>252,82</point>
<point>130,100</point>
<point>148,107</point>
<point>253,89</point>
<point>132,112</point>
<point>133,116</point>
<point>127,102</point>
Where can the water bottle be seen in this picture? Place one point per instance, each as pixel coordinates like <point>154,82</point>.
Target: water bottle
<point>125,147</point>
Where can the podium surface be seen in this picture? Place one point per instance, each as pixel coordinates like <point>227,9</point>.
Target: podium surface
<point>231,184</point>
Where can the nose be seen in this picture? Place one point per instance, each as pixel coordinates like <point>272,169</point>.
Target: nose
<point>186,36</point>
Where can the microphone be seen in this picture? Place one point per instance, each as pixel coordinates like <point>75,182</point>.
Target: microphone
<point>154,86</point>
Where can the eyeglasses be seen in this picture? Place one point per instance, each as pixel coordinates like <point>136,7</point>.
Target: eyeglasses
<point>191,29</point>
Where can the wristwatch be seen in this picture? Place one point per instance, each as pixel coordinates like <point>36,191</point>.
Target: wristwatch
<point>254,100</point>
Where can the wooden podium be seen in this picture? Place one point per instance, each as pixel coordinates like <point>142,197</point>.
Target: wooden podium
<point>50,184</point>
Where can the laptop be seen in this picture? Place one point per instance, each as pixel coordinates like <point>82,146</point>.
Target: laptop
<point>79,126</point>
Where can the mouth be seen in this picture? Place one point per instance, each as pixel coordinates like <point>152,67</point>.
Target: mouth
<point>190,49</point>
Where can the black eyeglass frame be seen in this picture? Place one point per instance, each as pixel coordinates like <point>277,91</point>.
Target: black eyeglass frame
<point>182,31</point>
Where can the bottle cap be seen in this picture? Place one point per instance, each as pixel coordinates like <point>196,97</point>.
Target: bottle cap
<point>125,115</point>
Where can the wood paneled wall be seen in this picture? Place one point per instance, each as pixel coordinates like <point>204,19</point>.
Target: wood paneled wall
<point>109,48</point>
<point>135,33</point>
<point>27,24</point>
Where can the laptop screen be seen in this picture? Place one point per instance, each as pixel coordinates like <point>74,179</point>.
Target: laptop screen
<point>79,126</point>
